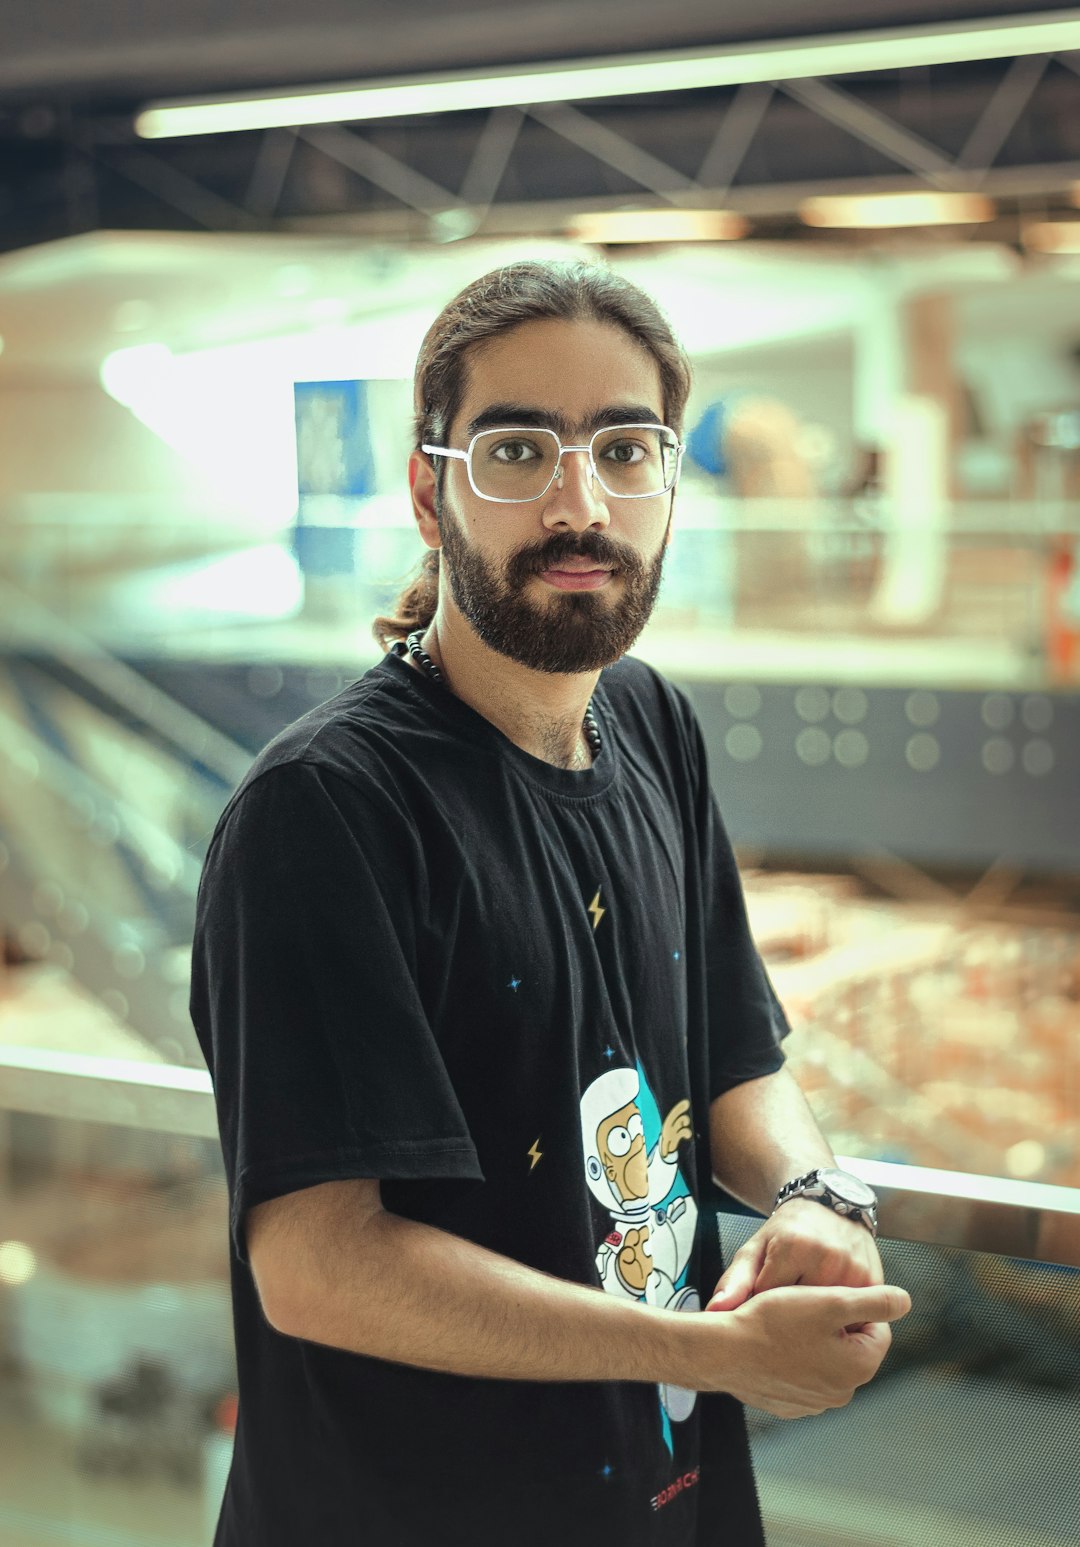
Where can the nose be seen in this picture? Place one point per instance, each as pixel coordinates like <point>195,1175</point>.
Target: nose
<point>575,500</point>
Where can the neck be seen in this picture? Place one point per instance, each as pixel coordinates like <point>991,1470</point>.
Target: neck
<point>540,712</point>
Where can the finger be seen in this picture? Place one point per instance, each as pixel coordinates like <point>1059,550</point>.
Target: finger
<point>736,1285</point>
<point>794,1261</point>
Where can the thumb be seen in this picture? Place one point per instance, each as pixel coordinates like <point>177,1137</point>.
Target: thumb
<point>736,1285</point>
<point>877,1302</point>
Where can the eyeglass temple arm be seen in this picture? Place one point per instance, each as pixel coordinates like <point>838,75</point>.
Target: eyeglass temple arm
<point>445,451</point>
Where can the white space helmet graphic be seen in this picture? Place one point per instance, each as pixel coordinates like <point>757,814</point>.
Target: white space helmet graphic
<point>610,1093</point>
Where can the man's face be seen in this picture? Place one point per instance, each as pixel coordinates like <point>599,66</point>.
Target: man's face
<point>564,583</point>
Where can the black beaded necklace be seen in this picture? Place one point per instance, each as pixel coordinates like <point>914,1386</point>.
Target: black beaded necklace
<point>412,646</point>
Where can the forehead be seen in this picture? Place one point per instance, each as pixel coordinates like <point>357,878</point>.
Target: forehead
<point>572,370</point>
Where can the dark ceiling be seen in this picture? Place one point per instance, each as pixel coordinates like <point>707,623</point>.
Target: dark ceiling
<point>72,74</point>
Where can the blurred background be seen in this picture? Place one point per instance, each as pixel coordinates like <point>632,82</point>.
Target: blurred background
<point>222,237</point>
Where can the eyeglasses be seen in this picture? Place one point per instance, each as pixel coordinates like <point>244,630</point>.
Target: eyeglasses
<point>514,465</point>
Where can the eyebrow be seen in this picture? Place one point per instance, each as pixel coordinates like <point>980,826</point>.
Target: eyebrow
<point>499,415</point>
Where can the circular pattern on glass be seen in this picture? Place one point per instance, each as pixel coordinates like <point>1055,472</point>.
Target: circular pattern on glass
<point>61,955</point>
<point>265,681</point>
<point>742,700</point>
<point>922,708</point>
<point>743,743</point>
<point>849,705</point>
<point>998,756</point>
<point>73,918</point>
<point>997,711</point>
<point>35,939</point>
<point>48,899</point>
<point>851,749</point>
<point>811,703</point>
<point>1037,758</point>
<point>1037,712</point>
<point>129,962</point>
<point>813,747</point>
<point>923,752</point>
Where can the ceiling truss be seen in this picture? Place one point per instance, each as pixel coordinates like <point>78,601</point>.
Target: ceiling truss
<point>460,174</point>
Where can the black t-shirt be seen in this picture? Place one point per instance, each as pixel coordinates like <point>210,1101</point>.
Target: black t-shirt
<point>510,992</point>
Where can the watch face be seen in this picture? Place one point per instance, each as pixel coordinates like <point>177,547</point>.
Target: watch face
<point>849,1187</point>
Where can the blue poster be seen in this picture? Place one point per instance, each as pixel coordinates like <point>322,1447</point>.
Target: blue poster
<point>335,468</point>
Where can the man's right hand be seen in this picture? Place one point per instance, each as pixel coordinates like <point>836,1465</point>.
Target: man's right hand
<point>799,1350</point>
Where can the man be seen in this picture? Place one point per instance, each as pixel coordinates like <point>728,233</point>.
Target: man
<point>474,980</point>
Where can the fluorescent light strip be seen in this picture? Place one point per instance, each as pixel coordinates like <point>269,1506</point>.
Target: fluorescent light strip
<point>619,76</point>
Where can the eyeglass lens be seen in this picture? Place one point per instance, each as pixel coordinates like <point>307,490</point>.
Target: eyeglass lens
<point>631,460</point>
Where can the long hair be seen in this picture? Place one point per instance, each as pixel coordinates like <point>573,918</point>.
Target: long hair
<point>493,304</point>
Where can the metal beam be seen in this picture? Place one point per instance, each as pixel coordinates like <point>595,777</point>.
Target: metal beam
<point>379,167</point>
<point>271,168</point>
<point>1001,114</point>
<point>733,138</point>
<point>872,128</point>
<point>613,150</point>
<point>167,183</point>
<point>491,156</point>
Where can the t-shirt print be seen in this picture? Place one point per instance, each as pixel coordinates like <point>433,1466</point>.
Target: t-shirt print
<point>632,1170</point>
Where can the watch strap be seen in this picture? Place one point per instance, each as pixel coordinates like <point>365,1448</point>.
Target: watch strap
<point>813,1186</point>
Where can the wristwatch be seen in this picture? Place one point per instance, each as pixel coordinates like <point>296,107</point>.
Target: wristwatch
<point>837,1190</point>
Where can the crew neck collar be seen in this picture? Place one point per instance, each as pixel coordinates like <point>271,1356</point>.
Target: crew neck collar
<point>473,726</point>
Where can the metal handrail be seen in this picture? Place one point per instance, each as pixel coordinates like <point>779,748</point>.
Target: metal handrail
<point>1034,1220</point>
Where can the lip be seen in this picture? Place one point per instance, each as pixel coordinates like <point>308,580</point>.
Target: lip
<point>576,579</point>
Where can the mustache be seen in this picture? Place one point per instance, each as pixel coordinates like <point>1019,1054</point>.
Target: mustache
<point>534,558</point>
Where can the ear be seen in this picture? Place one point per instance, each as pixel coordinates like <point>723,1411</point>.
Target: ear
<point>422,488</point>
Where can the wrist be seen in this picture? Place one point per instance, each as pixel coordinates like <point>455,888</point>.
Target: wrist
<point>688,1347</point>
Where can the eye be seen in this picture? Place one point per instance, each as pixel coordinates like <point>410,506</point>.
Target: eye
<point>635,1127</point>
<point>516,451</point>
<point>625,452</point>
<point>618,1141</point>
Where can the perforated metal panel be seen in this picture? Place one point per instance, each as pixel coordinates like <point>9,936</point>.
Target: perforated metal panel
<point>968,1437</point>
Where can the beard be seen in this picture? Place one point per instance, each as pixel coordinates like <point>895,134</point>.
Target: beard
<point>576,631</point>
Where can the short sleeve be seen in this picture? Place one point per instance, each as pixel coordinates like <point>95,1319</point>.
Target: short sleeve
<point>305,996</point>
<point>746,1020</point>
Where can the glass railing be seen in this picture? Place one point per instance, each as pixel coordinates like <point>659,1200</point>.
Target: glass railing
<point>117,1380</point>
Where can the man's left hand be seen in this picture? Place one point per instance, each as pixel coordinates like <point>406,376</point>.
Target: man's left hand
<point>802,1243</point>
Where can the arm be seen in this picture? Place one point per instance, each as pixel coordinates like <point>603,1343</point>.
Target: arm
<point>762,1133</point>
<point>332,1266</point>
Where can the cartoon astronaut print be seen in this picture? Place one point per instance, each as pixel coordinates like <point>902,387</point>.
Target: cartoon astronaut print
<point>645,1255</point>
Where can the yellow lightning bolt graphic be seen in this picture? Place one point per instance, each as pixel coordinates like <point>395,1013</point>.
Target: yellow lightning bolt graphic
<point>535,1151</point>
<point>596,910</point>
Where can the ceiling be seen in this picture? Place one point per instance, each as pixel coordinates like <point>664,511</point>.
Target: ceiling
<point>72,76</point>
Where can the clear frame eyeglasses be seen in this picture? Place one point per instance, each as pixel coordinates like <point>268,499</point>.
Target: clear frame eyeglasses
<point>514,465</point>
